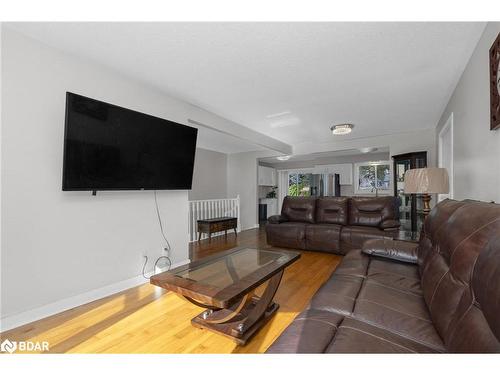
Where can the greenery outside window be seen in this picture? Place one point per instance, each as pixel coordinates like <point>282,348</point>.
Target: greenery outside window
<point>299,184</point>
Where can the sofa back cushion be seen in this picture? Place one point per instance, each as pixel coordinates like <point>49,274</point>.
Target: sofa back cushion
<point>299,209</point>
<point>378,212</point>
<point>331,210</point>
<point>459,261</point>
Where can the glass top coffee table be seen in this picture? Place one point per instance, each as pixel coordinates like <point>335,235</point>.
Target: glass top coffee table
<point>225,285</point>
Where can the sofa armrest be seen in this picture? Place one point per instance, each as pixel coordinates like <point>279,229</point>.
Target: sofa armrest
<point>390,224</point>
<point>387,248</point>
<point>276,219</point>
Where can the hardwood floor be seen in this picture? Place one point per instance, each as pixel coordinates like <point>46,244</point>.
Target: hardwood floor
<point>147,319</point>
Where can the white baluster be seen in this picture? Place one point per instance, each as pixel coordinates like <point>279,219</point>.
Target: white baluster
<point>210,208</point>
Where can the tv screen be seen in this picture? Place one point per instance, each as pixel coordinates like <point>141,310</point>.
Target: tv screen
<point>107,147</point>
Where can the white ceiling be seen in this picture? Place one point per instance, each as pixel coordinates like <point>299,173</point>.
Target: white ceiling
<point>317,156</point>
<point>290,81</point>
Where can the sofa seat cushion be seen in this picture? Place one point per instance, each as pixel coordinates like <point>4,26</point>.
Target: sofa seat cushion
<point>354,336</point>
<point>397,311</point>
<point>383,293</point>
<point>320,331</point>
<point>312,331</point>
<point>323,237</point>
<point>393,274</point>
<point>355,263</point>
<point>386,295</point>
<point>402,276</point>
<point>288,234</point>
<point>338,294</point>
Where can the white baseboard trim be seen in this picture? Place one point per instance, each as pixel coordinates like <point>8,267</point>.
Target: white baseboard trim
<point>251,227</point>
<point>25,317</point>
<point>216,234</point>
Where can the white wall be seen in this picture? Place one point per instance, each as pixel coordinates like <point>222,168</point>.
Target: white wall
<point>57,245</point>
<point>210,175</point>
<point>476,158</point>
<point>242,181</point>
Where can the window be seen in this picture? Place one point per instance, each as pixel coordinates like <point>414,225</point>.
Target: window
<point>373,178</point>
<point>299,184</point>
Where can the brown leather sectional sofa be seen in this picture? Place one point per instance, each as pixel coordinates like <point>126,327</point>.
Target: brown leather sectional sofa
<point>440,295</point>
<point>332,224</point>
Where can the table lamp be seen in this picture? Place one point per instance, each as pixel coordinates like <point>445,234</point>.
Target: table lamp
<point>426,181</point>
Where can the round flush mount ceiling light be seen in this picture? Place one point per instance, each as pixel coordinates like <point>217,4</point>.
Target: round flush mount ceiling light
<point>341,129</point>
<point>366,150</point>
<point>284,157</point>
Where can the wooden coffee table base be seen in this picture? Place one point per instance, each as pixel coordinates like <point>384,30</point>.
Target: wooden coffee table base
<point>225,284</point>
<point>244,318</point>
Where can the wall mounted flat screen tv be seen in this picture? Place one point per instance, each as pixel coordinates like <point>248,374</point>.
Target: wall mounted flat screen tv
<point>107,147</point>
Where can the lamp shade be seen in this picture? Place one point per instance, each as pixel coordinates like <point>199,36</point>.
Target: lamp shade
<point>426,181</point>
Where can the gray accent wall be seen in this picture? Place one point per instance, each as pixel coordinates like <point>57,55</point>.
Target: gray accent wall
<point>210,175</point>
<point>476,149</point>
<point>242,181</point>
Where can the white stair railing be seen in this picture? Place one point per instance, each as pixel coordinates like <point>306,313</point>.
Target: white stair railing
<point>210,208</point>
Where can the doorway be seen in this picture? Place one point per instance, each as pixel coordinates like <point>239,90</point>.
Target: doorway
<point>445,154</point>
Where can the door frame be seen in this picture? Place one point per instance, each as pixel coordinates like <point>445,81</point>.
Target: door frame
<point>447,126</point>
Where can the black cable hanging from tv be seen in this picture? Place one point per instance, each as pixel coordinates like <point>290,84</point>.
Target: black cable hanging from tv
<point>167,247</point>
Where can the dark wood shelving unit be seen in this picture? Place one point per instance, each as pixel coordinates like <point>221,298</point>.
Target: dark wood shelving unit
<point>410,213</point>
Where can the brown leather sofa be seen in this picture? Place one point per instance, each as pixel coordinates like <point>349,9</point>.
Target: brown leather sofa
<point>332,224</point>
<point>440,295</point>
